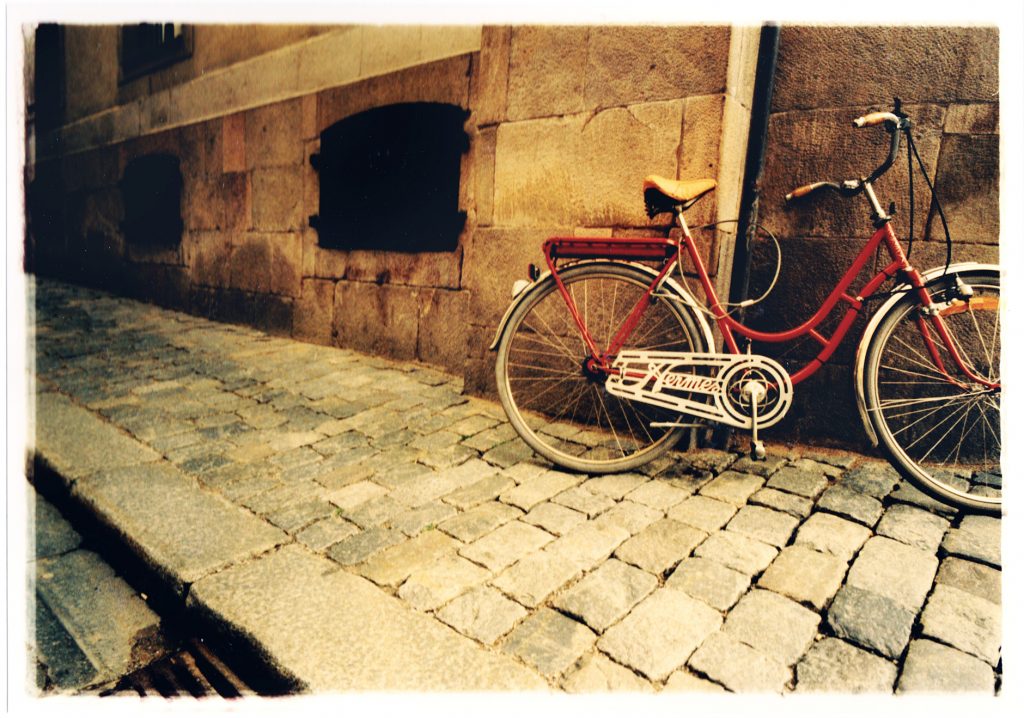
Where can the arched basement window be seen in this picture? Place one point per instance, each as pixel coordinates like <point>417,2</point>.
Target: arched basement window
<point>151,191</point>
<point>389,179</point>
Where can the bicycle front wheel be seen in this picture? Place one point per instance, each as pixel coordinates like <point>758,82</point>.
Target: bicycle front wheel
<point>940,429</point>
<point>556,401</point>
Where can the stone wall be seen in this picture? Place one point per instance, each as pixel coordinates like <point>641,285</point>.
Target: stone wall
<point>947,79</point>
<point>565,123</point>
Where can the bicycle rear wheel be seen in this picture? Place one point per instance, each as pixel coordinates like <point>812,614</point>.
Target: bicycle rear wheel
<point>941,432</point>
<point>556,403</point>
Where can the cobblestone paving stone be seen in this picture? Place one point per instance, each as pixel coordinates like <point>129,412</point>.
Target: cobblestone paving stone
<point>815,570</point>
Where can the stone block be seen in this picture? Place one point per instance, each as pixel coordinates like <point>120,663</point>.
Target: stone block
<point>251,261</point>
<point>482,613</point>
<point>766,525</point>
<point>534,491</point>
<point>589,544</point>
<point>773,625</point>
<point>375,319</point>
<point>326,532</point>
<point>179,530</point>
<point>233,142</point>
<point>483,175</point>
<point>871,620</point>
<point>358,547</point>
<point>658,495</point>
<point>546,71</point>
<point>442,329</point>
<point>489,84</point>
<point>660,546</point>
<point>964,621</point>
<point>732,487</point>
<point>737,552</point>
<point>421,269</point>
<point>583,502</point>
<point>967,183</point>
<point>682,681</point>
<point>422,518</point>
<point>796,506</point>
<point>934,668</point>
<point>899,572</point>
<point>913,526</point>
<point>506,545</point>
<point>805,575</point>
<point>739,667</point>
<point>832,665</point>
<point>630,64</point>
<point>955,64</point>
<point>972,119</point>
<point>702,512</point>
<point>393,565</point>
<point>314,311</point>
<point>491,290</point>
<point>277,199</point>
<point>549,642</point>
<point>107,619</point>
<point>535,172</point>
<point>607,594</point>
<point>874,479</point>
<point>77,443</point>
<point>629,516</point>
<point>328,60</point>
<point>273,135</point>
<point>286,264</point>
<point>971,577</point>
<point>660,633</point>
<point>51,533</point>
<point>594,673</point>
<point>808,484</point>
<point>445,81</point>
<point>535,577</point>
<point>851,504</point>
<point>618,148</point>
<point>711,582</point>
<point>554,519</point>
<point>831,534</point>
<point>376,643</point>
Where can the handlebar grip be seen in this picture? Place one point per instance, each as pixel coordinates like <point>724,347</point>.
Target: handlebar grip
<point>875,118</point>
<point>805,190</point>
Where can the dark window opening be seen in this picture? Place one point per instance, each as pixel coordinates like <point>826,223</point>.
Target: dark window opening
<point>48,86</point>
<point>148,47</point>
<point>389,179</point>
<point>151,191</point>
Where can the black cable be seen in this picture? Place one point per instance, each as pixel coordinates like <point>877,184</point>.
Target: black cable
<point>910,175</point>
<point>934,203</point>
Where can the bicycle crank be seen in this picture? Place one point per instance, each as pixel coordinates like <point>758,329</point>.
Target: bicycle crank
<point>746,391</point>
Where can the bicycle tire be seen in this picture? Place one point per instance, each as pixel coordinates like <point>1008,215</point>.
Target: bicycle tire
<point>942,437</point>
<point>559,409</point>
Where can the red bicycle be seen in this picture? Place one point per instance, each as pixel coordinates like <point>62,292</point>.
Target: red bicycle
<point>605,360</point>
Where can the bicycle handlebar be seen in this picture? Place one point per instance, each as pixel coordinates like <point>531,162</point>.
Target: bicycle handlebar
<point>895,123</point>
<point>875,118</point>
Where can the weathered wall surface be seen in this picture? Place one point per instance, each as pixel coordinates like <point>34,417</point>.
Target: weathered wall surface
<point>565,123</point>
<point>947,79</point>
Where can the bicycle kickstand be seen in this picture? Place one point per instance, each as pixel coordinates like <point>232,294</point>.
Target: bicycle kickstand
<point>754,390</point>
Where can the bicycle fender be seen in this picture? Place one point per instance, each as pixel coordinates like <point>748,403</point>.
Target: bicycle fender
<point>671,284</point>
<point>929,276</point>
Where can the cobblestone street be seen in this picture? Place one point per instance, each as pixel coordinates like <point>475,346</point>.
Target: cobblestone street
<point>286,489</point>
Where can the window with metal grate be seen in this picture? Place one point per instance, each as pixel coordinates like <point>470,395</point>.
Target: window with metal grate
<point>389,179</point>
<point>151,192</point>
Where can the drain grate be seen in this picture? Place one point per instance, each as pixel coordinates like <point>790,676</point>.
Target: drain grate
<point>193,671</point>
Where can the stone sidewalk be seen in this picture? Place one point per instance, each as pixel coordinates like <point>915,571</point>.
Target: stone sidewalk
<point>363,525</point>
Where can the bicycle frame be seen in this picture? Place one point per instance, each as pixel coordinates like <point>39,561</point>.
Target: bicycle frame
<point>671,251</point>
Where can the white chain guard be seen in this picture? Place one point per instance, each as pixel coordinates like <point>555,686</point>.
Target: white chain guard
<point>656,378</point>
